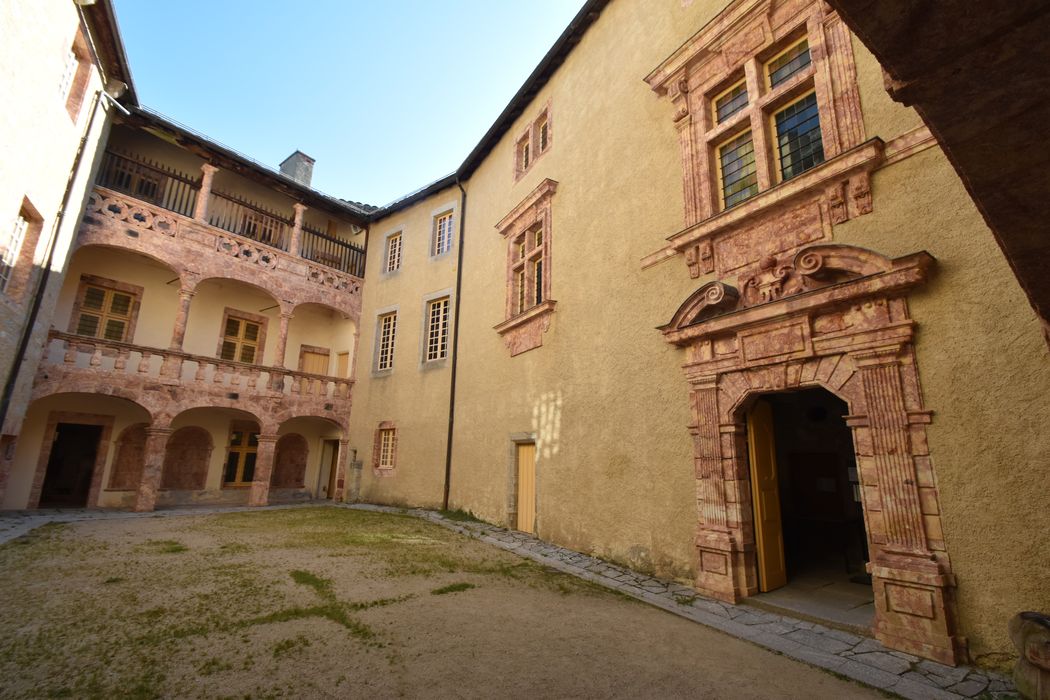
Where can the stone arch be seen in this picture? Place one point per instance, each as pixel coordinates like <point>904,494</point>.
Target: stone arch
<point>186,459</point>
<point>173,266</point>
<point>289,464</point>
<point>837,318</point>
<point>126,472</point>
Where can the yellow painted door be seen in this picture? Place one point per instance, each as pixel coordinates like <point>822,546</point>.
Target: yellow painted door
<point>315,362</point>
<point>772,570</point>
<point>342,364</point>
<point>527,486</point>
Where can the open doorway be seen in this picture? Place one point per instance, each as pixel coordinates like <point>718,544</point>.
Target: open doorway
<point>70,466</point>
<point>809,521</point>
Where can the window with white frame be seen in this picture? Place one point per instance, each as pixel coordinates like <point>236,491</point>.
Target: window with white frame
<point>437,329</point>
<point>386,329</point>
<point>384,449</point>
<point>69,72</point>
<point>442,237</point>
<point>10,246</point>
<point>393,253</point>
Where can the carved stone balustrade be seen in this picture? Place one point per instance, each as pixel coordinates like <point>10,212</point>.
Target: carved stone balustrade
<point>167,382</point>
<point>197,250</point>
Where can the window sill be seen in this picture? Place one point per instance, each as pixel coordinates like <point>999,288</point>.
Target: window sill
<point>841,184</point>
<point>525,331</point>
<point>427,365</point>
<point>379,373</point>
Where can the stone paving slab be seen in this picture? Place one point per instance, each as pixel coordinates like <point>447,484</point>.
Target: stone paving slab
<point>861,659</point>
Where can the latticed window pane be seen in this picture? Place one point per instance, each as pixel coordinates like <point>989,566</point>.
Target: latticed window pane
<point>736,161</point>
<point>519,284</point>
<point>10,247</point>
<point>537,279</point>
<point>731,102</point>
<point>437,329</point>
<point>68,73</point>
<point>251,331</point>
<point>443,234</point>
<point>115,330</point>
<point>386,448</point>
<point>233,328</point>
<point>88,324</point>
<point>524,155</point>
<point>229,350</point>
<point>393,253</point>
<point>788,63</point>
<point>94,298</point>
<point>544,135</point>
<point>387,331</point>
<point>240,341</point>
<point>247,353</point>
<point>121,304</point>
<point>798,137</point>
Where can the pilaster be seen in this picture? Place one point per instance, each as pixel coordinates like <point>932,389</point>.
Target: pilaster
<point>264,454</point>
<point>152,466</point>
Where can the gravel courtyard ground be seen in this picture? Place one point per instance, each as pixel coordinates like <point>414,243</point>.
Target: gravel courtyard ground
<point>324,602</point>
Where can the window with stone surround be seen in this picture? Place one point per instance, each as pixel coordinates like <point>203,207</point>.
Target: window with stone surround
<point>441,238</point>
<point>533,142</point>
<point>241,453</point>
<point>437,314</point>
<point>762,98</point>
<point>243,337</point>
<point>528,232</point>
<point>18,243</point>
<point>105,309</point>
<point>72,86</point>
<point>384,449</point>
<point>393,253</point>
<point>386,332</point>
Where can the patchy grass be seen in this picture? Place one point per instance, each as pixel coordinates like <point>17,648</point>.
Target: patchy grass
<point>168,546</point>
<point>453,588</point>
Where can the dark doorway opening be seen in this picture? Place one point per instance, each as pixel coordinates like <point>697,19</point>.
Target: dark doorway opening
<point>824,542</point>
<point>70,466</point>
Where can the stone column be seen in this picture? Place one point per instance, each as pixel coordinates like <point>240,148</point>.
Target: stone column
<point>152,467</point>
<point>200,208</point>
<point>182,317</point>
<point>297,228</point>
<point>282,339</point>
<point>264,454</point>
<point>341,459</point>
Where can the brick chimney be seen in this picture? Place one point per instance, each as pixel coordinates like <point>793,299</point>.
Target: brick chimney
<point>299,167</point>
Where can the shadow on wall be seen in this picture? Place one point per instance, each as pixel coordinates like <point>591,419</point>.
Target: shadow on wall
<point>546,422</point>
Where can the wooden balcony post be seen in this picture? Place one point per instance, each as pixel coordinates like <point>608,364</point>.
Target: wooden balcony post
<point>152,466</point>
<point>260,493</point>
<point>200,209</point>
<point>297,228</point>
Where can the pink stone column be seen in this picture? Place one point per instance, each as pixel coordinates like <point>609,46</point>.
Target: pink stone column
<point>282,340</point>
<point>260,493</point>
<point>340,469</point>
<point>152,466</point>
<point>200,208</point>
<point>182,317</point>
<point>297,228</point>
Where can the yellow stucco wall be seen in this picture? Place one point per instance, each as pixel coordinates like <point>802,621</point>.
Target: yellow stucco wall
<point>414,395</point>
<point>605,394</point>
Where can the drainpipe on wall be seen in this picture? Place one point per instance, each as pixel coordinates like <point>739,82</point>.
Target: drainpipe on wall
<point>455,343</point>
<point>41,285</point>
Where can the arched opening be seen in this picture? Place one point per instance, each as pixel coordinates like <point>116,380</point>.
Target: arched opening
<point>309,446</point>
<point>186,459</point>
<point>234,321</point>
<point>321,341</point>
<point>811,545</point>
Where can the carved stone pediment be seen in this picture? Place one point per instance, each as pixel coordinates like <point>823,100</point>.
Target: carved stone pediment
<point>844,272</point>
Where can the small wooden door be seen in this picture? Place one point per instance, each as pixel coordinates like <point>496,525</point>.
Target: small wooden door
<point>527,486</point>
<point>314,362</point>
<point>769,535</point>
<point>342,365</point>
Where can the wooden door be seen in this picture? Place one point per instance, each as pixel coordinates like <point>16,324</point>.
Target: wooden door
<point>765,493</point>
<point>342,365</point>
<point>527,486</point>
<point>314,362</point>
<point>333,468</point>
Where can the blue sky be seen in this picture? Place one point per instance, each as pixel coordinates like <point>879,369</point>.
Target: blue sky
<point>386,95</point>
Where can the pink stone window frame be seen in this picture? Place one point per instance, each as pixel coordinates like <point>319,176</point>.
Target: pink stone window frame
<point>530,138</point>
<point>229,313</point>
<point>738,44</point>
<point>19,259</point>
<point>134,291</point>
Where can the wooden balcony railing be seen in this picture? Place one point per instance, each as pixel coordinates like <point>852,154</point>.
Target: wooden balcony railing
<point>332,252</point>
<point>150,182</point>
<point>248,219</point>
<point>192,371</point>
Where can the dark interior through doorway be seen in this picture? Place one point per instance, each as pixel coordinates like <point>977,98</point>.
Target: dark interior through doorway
<point>70,466</point>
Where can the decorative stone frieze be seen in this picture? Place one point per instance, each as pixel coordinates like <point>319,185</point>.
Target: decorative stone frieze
<point>198,251</point>
<point>835,317</point>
